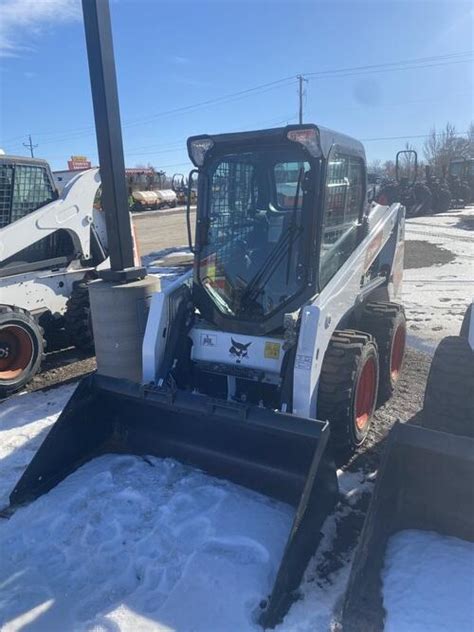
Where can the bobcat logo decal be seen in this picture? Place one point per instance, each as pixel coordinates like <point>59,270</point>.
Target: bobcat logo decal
<point>239,350</point>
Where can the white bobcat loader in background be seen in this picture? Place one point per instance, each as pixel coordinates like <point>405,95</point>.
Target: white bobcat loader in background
<point>50,245</point>
<point>271,354</point>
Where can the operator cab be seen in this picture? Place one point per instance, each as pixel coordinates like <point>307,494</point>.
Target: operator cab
<point>259,223</point>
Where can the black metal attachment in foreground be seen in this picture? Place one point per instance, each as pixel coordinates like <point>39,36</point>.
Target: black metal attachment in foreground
<point>100,53</point>
<point>425,482</point>
<point>279,455</point>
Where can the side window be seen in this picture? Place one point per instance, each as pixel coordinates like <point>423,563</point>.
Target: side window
<point>286,182</point>
<point>341,214</point>
<point>31,190</point>
<point>6,184</point>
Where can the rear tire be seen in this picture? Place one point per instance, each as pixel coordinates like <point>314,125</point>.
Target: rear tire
<point>449,395</point>
<point>348,388</point>
<point>21,349</point>
<point>77,319</point>
<point>387,323</point>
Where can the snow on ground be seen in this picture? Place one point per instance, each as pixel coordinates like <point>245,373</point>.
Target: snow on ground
<point>167,263</point>
<point>428,583</point>
<point>24,421</point>
<point>436,297</point>
<point>134,544</point>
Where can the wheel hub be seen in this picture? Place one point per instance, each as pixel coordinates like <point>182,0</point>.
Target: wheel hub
<point>16,351</point>
<point>365,394</point>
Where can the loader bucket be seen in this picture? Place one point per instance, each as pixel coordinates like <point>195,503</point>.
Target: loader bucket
<point>279,455</point>
<point>424,483</point>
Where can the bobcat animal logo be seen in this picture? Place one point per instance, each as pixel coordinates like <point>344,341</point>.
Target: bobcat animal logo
<point>239,350</point>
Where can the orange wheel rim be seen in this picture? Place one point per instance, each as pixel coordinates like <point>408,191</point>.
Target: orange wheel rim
<point>398,351</point>
<point>16,351</point>
<point>365,394</point>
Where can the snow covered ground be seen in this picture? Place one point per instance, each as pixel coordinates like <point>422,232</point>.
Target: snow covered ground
<point>428,583</point>
<point>134,544</point>
<point>435,297</point>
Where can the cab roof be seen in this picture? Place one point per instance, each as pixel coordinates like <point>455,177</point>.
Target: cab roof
<point>22,160</point>
<point>327,138</point>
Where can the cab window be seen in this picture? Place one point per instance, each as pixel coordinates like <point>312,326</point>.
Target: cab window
<point>32,189</point>
<point>344,196</point>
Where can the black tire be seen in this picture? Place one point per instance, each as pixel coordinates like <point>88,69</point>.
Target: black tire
<point>21,349</point>
<point>449,395</point>
<point>444,200</point>
<point>386,322</point>
<point>424,199</point>
<point>77,319</point>
<point>348,353</point>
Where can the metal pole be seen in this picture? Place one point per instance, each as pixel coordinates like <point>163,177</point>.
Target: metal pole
<point>301,79</point>
<point>30,146</point>
<point>100,53</point>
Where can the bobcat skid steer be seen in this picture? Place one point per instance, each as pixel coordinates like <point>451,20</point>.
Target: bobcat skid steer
<point>283,334</point>
<point>50,245</point>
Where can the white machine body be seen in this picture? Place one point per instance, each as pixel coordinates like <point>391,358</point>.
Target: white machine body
<point>231,352</point>
<point>48,286</point>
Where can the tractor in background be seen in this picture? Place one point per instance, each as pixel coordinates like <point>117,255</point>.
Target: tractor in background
<point>460,176</point>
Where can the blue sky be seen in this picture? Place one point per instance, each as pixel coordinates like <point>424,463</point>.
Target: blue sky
<point>176,54</point>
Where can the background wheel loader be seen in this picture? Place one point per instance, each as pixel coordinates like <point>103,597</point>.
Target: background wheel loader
<point>50,246</point>
<point>267,357</point>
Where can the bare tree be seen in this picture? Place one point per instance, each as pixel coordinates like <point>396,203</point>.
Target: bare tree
<point>376,167</point>
<point>389,168</point>
<point>441,147</point>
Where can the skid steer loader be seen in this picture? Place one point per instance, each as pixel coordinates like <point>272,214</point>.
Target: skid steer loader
<point>268,356</point>
<point>50,245</point>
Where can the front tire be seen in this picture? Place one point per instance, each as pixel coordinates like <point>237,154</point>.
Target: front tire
<point>21,349</point>
<point>348,387</point>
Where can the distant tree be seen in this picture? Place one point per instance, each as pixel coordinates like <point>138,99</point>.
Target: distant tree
<point>441,147</point>
<point>376,167</point>
<point>389,168</point>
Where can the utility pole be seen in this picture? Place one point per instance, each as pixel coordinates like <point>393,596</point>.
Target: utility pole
<point>301,80</point>
<point>29,145</point>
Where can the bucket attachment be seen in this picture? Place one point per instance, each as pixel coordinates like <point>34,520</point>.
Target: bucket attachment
<point>276,454</point>
<point>425,483</point>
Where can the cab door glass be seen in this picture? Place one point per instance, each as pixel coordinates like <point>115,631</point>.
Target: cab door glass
<point>32,189</point>
<point>342,213</point>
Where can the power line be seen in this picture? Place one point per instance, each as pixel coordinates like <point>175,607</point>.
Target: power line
<point>407,64</point>
<point>368,140</point>
<point>422,62</point>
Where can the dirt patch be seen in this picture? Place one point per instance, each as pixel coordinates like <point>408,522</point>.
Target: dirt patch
<point>422,254</point>
<point>62,367</point>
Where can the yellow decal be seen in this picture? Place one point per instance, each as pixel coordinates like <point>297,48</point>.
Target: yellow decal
<point>272,350</point>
